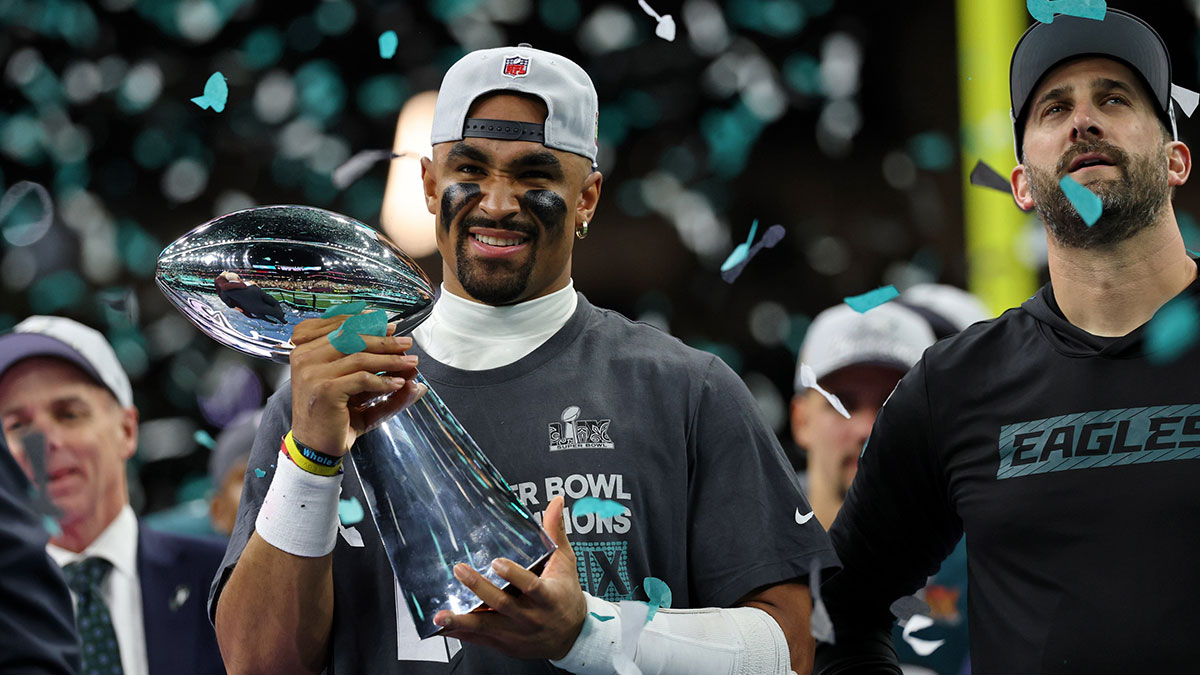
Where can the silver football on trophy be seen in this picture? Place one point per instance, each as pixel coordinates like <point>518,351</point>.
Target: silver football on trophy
<point>247,278</point>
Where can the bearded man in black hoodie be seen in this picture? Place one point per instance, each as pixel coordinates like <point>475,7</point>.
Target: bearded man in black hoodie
<point>1058,437</point>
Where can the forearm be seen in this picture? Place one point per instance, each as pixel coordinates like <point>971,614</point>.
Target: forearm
<point>789,604</point>
<point>275,612</point>
<point>736,641</point>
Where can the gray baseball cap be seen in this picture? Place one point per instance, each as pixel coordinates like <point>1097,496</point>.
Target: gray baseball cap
<point>233,443</point>
<point>82,346</point>
<point>573,110</point>
<point>1120,36</point>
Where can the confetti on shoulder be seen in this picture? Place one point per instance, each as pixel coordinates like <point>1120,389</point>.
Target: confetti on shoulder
<point>1172,330</point>
<point>216,93</point>
<point>259,472</point>
<point>872,299</point>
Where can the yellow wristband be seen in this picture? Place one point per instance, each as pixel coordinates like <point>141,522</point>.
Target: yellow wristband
<point>310,460</point>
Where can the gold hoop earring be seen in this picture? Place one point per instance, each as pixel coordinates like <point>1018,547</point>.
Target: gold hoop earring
<point>581,230</point>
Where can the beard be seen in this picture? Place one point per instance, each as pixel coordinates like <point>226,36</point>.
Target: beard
<point>1131,203</point>
<point>495,282</point>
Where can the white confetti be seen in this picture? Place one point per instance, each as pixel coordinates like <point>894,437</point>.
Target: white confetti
<point>1186,98</point>
<point>633,620</point>
<point>353,168</point>
<point>821,626</point>
<point>809,379</point>
<point>666,25</point>
<point>921,647</point>
<point>351,535</point>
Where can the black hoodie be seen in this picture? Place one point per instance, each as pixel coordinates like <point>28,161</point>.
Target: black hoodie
<point>1070,462</point>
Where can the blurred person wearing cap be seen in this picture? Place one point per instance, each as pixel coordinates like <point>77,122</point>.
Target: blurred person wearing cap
<point>711,506</point>
<point>227,467</point>
<point>138,593</point>
<point>858,358</point>
<point>1060,438</point>
<point>214,514</point>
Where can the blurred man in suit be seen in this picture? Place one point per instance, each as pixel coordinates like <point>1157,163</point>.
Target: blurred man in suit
<point>138,593</point>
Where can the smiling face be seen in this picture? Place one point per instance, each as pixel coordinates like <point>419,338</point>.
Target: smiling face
<point>88,438</point>
<point>506,210</point>
<point>1092,119</point>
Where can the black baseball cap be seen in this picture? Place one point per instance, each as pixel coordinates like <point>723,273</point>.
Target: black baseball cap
<point>1120,36</point>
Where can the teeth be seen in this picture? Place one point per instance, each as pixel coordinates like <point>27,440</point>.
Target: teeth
<point>496,241</point>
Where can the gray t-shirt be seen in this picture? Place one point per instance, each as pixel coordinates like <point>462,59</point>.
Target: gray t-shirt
<point>668,431</point>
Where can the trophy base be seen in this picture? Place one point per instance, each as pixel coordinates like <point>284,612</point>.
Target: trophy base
<point>536,568</point>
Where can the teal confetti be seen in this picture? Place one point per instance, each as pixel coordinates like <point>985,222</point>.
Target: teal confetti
<point>605,508</point>
<point>346,339</point>
<point>1172,330</point>
<point>388,43</point>
<point>871,299</point>
<point>602,618</point>
<point>203,438</point>
<point>741,251</point>
<point>659,595</point>
<point>260,473</point>
<point>346,343</point>
<point>441,556</point>
<point>350,511</point>
<point>420,612</point>
<point>772,236</point>
<point>345,308</point>
<point>216,93</point>
<point>51,525</point>
<point>1044,10</point>
<point>1084,200</point>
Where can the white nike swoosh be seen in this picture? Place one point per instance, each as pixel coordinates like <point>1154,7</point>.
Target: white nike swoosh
<point>802,519</point>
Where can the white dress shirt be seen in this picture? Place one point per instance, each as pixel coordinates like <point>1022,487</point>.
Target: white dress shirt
<point>473,336</point>
<point>121,589</point>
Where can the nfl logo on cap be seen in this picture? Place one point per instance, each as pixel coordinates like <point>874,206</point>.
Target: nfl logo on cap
<point>516,66</point>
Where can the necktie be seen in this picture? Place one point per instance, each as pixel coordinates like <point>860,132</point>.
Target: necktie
<point>101,655</point>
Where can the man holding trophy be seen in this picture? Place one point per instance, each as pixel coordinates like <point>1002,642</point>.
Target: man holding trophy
<point>569,401</point>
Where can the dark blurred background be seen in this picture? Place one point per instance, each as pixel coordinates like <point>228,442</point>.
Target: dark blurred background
<point>838,120</point>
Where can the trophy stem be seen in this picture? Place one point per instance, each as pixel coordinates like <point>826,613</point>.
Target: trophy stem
<point>438,501</point>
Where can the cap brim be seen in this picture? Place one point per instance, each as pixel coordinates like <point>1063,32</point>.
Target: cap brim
<point>881,360</point>
<point>17,347</point>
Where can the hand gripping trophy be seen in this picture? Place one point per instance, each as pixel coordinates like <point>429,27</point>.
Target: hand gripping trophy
<point>247,278</point>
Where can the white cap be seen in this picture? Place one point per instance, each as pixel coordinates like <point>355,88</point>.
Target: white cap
<point>573,109</point>
<point>952,303</point>
<point>71,341</point>
<point>887,335</point>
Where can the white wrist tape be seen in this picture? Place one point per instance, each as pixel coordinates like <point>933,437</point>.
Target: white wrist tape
<point>737,641</point>
<point>299,515</point>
